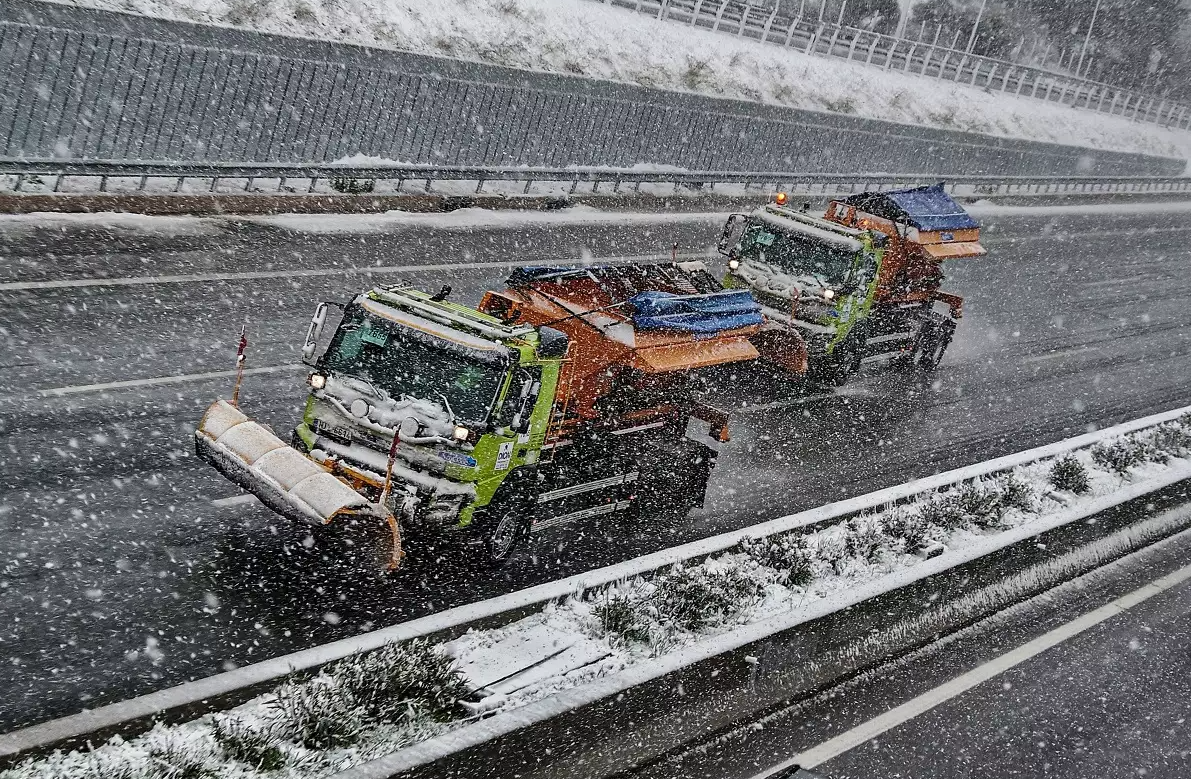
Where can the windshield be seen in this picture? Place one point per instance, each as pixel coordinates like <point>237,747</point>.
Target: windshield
<point>396,361</point>
<point>797,255</point>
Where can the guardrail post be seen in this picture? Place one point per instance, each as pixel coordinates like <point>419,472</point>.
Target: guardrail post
<point>695,12</point>
<point>872,48</point>
<point>103,183</point>
<point>528,183</point>
<point>1021,81</point>
<point>852,48</point>
<point>769,25</point>
<point>744,15</point>
<point>831,45</point>
<point>790,28</point>
<point>810,44</point>
<point>665,6</point>
<point>943,64</point>
<point>313,184</point>
<point>719,15</point>
<point>20,182</point>
<point>480,185</point>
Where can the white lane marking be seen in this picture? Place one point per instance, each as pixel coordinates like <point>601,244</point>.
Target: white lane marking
<point>1059,354</point>
<point>15,286</point>
<point>865,732</point>
<point>57,392</point>
<point>234,500</point>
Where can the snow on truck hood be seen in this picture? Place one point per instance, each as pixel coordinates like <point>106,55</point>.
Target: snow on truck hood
<point>385,414</point>
<point>771,279</point>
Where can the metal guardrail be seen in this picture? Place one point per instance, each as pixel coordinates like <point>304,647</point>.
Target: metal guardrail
<point>136,177</point>
<point>87,84</point>
<point>812,35</point>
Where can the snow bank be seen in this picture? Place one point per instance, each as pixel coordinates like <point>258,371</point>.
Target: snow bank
<point>628,630</point>
<point>592,39</point>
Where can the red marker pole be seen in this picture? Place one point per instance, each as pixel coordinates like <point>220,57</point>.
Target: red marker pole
<point>240,364</point>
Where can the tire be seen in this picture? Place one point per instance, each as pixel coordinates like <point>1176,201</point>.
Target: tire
<point>504,528</point>
<point>931,344</point>
<point>840,365</point>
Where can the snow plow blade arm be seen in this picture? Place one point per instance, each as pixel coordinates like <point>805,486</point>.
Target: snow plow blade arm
<point>285,480</point>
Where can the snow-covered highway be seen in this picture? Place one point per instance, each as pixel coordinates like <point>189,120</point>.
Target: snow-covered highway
<point>127,570</point>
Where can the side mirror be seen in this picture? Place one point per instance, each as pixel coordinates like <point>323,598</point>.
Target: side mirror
<point>316,329</point>
<point>552,344</point>
<point>732,232</point>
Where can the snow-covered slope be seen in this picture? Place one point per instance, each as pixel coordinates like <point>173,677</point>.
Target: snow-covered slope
<point>592,39</point>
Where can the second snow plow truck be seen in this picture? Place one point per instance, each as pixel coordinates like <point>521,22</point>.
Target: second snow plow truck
<point>860,283</point>
<point>569,395</point>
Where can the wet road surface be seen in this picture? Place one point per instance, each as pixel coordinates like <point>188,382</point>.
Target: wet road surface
<point>124,568</point>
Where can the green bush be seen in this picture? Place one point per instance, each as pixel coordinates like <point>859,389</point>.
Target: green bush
<point>1013,493</point>
<point>316,713</point>
<point>863,538</point>
<point>1069,475</point>
<point>353,186</point>
<point>1119,456</point>
<point>248,742</point>
<point>910,527</point>
<point>625,616</point>
<point>400,680</point>
<point>787,554</point>
<point>692,598</point>
<point>1173,439</point>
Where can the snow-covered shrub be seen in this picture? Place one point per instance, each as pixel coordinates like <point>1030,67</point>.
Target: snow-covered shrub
<point>910,527</point>
<point>692,598</point>
<point>788,554</point>
<point>1014,493</point>
<point>1119,456</point>
<point>942,510</point>
<point>399,681</point>
<point>173,755</point>
<point>625,615</point>
<point>249,742</point>
<point>1069,475</point>
<point>350,186</point>
<point>103,763</point>
<point>316,713</point>
<point>980,504</point>
<point>863,538</point>
<point>1172,438</point>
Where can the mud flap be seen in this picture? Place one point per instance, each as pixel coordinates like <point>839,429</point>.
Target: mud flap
<point>288,482</point>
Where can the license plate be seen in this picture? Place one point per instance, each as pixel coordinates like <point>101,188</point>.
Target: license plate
<point>341,433</point>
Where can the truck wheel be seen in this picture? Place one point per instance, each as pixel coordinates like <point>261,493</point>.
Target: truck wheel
<point>505,527</point>
<point>839,366</point>
<point>932,342</point>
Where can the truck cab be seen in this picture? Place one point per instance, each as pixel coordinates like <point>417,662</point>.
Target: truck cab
<point>860,284</point>
<point>454,398</point>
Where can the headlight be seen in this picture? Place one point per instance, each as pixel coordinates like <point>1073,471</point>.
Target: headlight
<point>461,433</point>
<point>733,264</point>
<point>828,294</point>
<point>318,381</point>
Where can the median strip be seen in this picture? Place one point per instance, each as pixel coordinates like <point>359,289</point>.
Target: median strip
<point>641,621</point>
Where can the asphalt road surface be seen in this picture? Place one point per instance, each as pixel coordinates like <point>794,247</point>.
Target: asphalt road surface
<point>127,565</point>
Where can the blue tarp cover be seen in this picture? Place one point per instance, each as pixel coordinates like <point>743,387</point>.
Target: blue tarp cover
<point>931,208</point>
<point>712,313</point>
